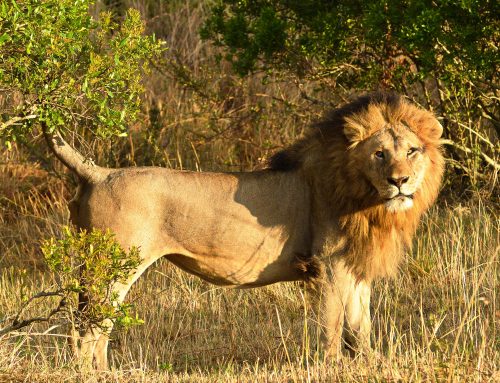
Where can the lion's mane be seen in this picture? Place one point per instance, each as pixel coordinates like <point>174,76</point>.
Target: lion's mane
<point>374,238</point>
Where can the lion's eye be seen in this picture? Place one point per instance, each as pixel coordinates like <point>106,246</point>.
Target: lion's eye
<point>379,154</point>
<point>412,151</point>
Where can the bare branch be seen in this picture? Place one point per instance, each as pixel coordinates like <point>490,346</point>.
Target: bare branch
<point>17,324</point>
<point>42,294</point>
<point>489,160</point>
<point>16,121</point>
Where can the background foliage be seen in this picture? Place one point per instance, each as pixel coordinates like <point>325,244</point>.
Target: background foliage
<point>444,54</point>
<point>375,38</point>
<point>437,320</point>
<point>75,70</point>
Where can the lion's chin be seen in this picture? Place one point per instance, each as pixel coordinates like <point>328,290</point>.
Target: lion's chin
<point>399,203</point>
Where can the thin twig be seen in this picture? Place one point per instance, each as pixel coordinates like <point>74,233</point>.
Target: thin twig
<point>488,159</point>
<point>16,121</point>
<point>480,136</point>
<point>42,294</point>
<point>16,324</point>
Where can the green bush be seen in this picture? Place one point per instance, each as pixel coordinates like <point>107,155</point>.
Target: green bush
<point>89,264</point>
<point>61,66</point>
<point>85,267</point>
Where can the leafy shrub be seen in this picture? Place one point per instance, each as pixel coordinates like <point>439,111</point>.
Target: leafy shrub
<point>61,66</point>
<point>85,266</point>
<point>90,264</point>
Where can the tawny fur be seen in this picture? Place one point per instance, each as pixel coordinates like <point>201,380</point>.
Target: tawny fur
<point>337,209</point>
<point>375,238</point>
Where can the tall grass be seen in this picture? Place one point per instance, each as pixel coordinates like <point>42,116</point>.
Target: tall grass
<point>438,320</point>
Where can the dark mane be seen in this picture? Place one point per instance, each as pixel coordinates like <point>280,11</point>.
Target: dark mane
<point>331,125</point>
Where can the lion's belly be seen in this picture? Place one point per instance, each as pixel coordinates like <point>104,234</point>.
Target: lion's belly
<point>232,272</point>
<point>238,253</point>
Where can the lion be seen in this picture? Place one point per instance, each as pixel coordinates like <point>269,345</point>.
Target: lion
<point>337,209</point>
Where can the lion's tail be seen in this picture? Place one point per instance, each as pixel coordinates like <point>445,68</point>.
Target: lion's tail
<point>83,167</point>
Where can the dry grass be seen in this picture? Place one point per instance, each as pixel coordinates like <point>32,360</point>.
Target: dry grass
<point>439,320</point>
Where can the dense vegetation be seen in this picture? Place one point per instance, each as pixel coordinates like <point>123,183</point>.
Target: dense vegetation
<point>444,54</point>
<point>233,82</point>
<point>73,70</point>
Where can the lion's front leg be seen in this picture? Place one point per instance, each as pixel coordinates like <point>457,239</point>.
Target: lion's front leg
<point>357,313</point>
<point>329,304</point>
<point>341,297</point>
<point>331,319</point>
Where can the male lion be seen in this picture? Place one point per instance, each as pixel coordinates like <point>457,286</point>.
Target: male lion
<point>337,209</point>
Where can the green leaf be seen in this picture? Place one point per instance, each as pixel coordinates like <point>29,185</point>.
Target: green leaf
<point>4,38</point>
<point>79,72</point>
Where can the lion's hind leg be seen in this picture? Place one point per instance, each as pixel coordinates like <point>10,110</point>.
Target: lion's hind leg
<point>93,342</point>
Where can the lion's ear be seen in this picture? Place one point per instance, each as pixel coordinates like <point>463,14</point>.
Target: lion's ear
<point>353,131</point>
<point>435,130</point>
<point>430,129</point>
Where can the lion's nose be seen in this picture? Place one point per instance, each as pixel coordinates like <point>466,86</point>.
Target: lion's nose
<point>397,181</point>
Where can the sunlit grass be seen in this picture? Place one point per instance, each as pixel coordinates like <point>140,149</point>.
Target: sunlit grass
<point>438,319</point>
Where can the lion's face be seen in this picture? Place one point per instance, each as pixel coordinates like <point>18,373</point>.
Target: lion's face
<point>378,150</point>
<point>394,162</point>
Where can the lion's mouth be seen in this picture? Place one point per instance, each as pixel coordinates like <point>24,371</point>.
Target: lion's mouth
<point>400,196</point>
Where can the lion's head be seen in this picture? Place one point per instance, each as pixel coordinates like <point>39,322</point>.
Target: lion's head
<point>376,164</point>
<point>392,145</point>
<point>380,149</point>
<point>394,162</point>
